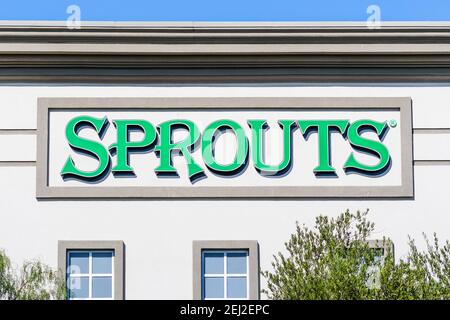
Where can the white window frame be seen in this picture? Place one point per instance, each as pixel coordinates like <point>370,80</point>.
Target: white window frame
<point>90,275</point>
<point>225,275</point>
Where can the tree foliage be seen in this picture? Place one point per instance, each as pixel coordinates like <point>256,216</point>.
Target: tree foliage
<point>33,281</point>
<point>333,260</point>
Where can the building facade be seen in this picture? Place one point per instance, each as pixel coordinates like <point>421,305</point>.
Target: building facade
<point>171,161</point>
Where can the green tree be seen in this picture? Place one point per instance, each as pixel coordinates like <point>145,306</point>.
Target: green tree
<point>34,281</point>
<point>333,260</point>
<point>422,275</point>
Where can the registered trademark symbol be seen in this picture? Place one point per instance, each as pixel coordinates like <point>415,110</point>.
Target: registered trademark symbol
<point>392,123</point>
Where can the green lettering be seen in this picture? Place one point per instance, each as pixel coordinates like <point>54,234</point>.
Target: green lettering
<point>258,128</point>
<point>371,146</point>
<point>323,131</point>
<point>184,147</point>
<point>86,146</point>
<point>124,146</point>
<point>208,142</point>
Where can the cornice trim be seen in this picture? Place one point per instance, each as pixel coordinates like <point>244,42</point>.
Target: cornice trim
<point>196,52</point>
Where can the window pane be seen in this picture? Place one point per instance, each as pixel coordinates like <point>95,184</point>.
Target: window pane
<point>78,287</point>
<point>237,287</point>
<point>237,262</point>
<point>379,255</point>
<point>78,262</point>
<point>213,287</point>
<point>102,287</point>
<point>102,262</point>
<point>213,263</point>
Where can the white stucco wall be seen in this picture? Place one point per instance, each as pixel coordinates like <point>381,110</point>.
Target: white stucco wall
<point>158,234</point>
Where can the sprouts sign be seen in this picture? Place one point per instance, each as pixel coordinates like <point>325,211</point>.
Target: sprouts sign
<point>224,147</point>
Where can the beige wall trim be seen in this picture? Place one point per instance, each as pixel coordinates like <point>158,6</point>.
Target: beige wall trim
<point>17,131</point>
<point>431,130</point>
<point>119,259</point>
<point>234,72</point>
<point>213,46</point>
<point>405,190</point>
<point>223,32</point>
<point>17,163</point>
<point>253,254</point>
<point>432,162</point>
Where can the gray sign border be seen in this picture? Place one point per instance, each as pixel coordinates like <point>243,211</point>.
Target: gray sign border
<point>403,104</point>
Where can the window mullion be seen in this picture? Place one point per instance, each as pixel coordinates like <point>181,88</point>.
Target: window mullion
<point>225,272</point>
<point>90,274</point>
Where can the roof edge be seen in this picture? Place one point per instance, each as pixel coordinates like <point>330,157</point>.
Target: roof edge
<point>232,25</point>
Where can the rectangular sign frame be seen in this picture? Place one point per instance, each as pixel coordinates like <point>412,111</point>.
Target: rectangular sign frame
<point>402,104</point>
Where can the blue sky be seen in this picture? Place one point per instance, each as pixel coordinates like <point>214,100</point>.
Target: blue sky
<point>226,10</point>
